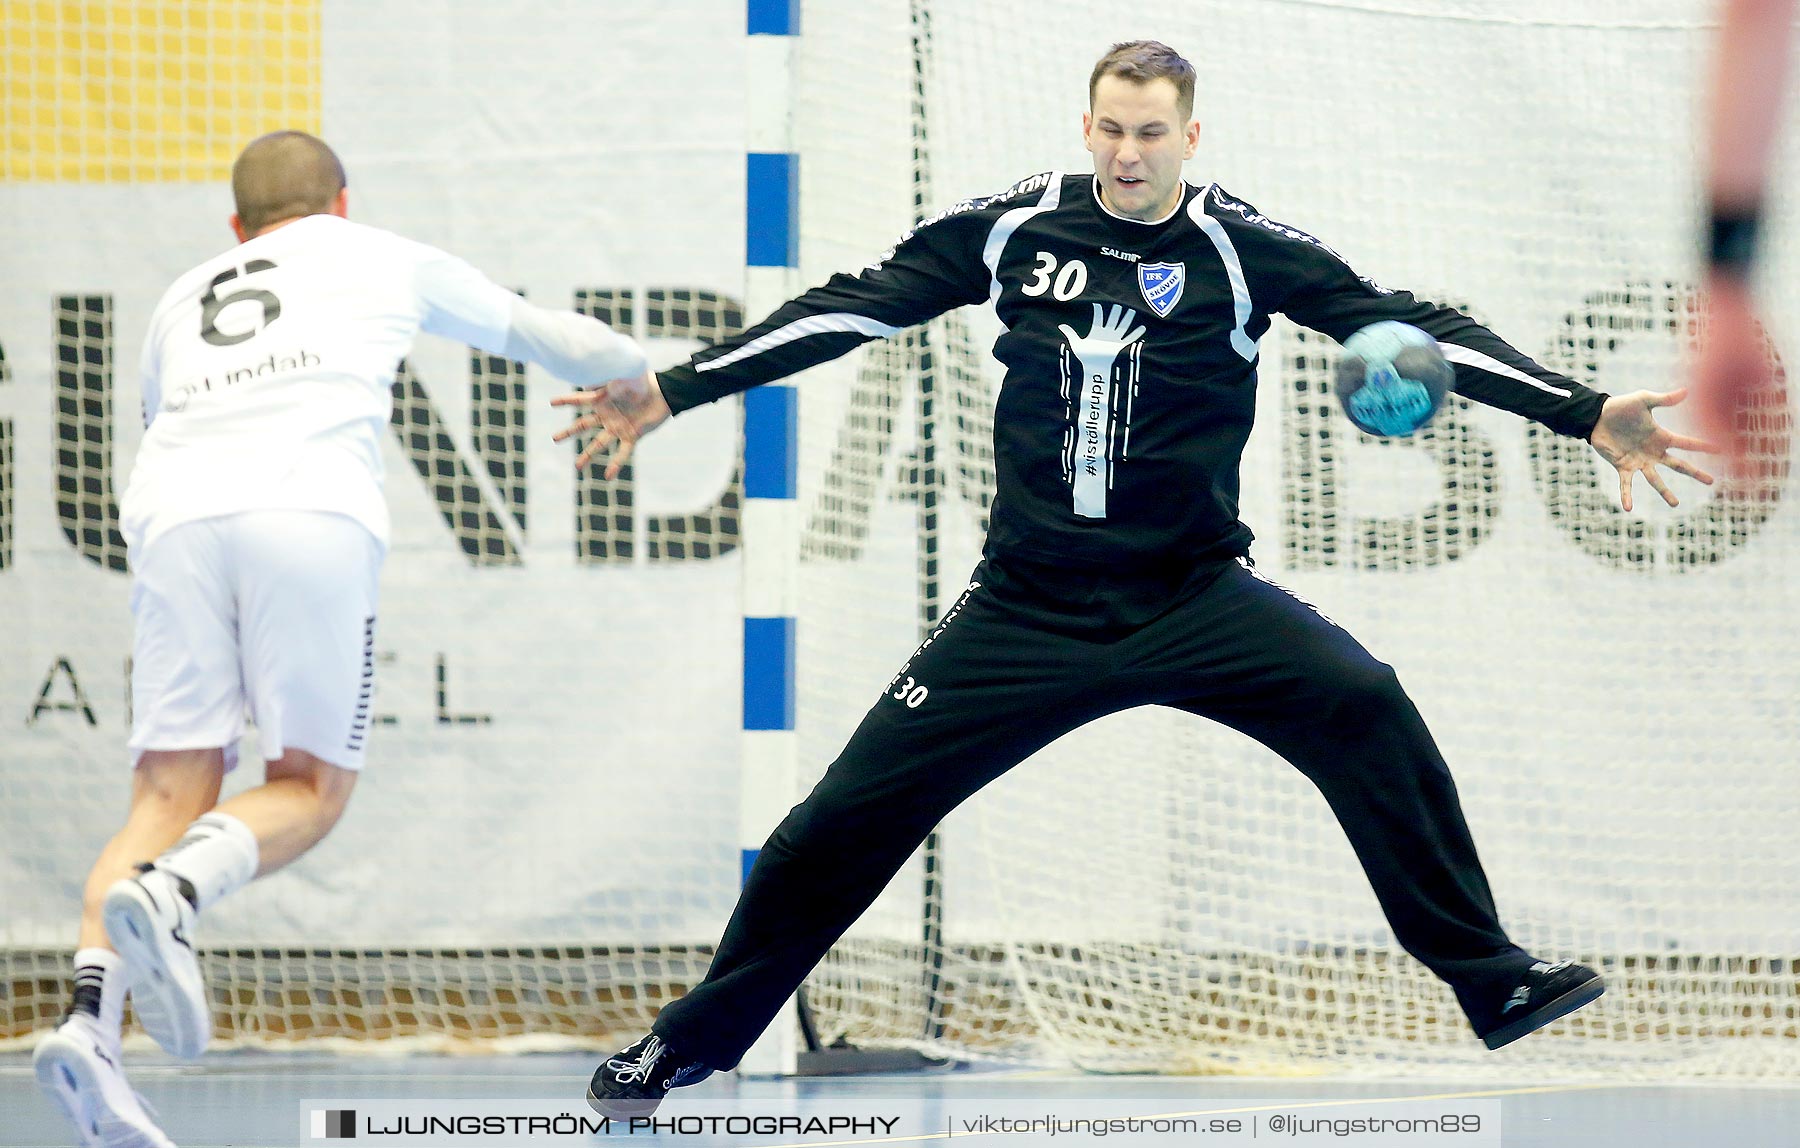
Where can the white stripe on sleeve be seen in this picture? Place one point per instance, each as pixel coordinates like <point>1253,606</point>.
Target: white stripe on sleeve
<point>1241,342</point>
<point>837,322</point>
<point>1011,222</point>
<point>1468,357</point>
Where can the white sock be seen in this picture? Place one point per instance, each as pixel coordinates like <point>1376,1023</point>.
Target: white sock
<point>106,970</point>
<point>217,855</point>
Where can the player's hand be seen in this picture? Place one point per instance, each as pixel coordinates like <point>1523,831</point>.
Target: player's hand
<point>620,413</point>
<point>1628,437</point>
<point>1733,366</point>
<point>1110,331</point>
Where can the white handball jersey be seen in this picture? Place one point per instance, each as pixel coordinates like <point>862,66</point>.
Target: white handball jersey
<point>267,370</point>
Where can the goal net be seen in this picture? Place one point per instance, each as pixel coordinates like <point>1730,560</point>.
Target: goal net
<point>1614,691</point>
<point>544,845</point>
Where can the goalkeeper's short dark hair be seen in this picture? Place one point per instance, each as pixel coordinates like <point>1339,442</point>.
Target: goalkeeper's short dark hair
<point>1141,61</point>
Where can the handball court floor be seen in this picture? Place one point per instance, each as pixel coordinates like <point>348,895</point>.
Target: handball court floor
<point>256,1098</point>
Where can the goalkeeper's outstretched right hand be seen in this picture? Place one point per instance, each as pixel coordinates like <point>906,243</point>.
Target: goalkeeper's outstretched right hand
<point>620,413</point>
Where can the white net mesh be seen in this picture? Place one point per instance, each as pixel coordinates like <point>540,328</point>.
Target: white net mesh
<point>1613,690</point>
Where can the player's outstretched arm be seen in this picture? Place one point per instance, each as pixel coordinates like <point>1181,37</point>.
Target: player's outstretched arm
<point>575,348</point>
<point>1314,286</point>
<point>619,413</point>
<point>1323,293</point>
<point>1745,101</point>
<point>625,402</point>
<point>1733,365</point>
<point>1629,437</point>
<point>460,303</point>
<point>819,325</point>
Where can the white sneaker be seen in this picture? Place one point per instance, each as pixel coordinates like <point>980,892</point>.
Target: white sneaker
<point>148,921</point>
<point>78,1070</point>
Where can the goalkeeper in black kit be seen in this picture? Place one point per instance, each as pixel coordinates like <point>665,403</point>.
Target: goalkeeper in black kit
<point>1116,571</point>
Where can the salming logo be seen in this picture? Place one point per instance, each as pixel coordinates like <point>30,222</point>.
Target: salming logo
<point>1251,215</point>
<point>1522,994</point>
<point>688,1074</point>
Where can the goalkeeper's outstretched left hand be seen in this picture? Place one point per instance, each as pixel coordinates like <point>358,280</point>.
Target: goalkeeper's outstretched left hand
<point>1628,436</point>
<point>620,413</point>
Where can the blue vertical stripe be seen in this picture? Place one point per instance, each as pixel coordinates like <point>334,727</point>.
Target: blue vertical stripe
<point>772,210</point>
<point>768,673</point>
<point>774,17</point>
<point>771,442</point>
<point>771,450</point>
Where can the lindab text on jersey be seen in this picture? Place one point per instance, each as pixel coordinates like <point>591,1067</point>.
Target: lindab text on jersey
<point>272,365</point>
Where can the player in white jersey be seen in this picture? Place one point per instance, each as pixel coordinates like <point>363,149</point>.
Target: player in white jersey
<point>256,526</point>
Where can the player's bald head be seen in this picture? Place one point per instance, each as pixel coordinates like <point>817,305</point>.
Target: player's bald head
<point>284,175</point>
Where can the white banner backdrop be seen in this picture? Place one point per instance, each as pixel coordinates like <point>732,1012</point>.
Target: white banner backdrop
<point>559,755</point>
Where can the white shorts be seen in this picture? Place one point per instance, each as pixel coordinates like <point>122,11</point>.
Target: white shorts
<point>269,609</point>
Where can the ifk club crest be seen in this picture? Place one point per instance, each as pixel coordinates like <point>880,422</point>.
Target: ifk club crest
<point>1161,284</point>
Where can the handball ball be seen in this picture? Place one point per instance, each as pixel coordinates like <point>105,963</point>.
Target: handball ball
<point>1392,378</point>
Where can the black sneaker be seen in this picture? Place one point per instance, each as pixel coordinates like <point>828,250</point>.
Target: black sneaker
<point>1546,993</point>
<point>634,1082</point>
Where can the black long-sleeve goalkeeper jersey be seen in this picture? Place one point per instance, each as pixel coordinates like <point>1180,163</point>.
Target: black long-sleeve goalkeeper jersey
<point>1130,355</point>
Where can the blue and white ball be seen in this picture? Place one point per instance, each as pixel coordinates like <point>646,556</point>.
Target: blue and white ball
<point>1392,379</point>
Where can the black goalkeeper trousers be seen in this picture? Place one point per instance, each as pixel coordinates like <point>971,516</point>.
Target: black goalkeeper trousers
<point>1029,653</point>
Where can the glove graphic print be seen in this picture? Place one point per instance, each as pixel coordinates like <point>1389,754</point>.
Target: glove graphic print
<point>1095,417</point>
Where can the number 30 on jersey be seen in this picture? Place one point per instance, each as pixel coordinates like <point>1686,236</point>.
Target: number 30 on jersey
<point>911,693</point>
<point>1063,285</point>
